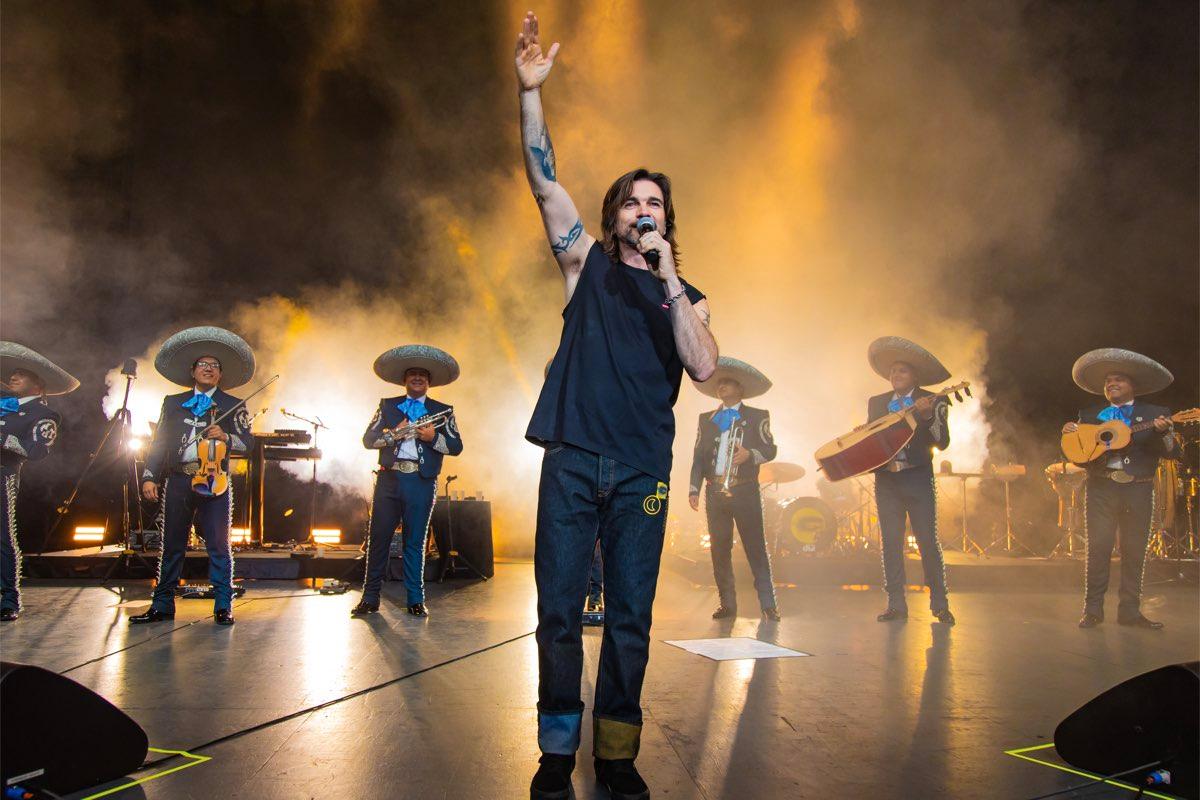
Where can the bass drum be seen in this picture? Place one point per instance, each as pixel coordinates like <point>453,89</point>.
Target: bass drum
<point>806,527</point>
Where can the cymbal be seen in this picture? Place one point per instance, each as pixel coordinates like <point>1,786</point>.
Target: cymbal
<point>779,472</point>
<point>1060,467</point>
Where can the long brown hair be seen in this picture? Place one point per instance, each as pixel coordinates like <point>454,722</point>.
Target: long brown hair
<point>615,197</point>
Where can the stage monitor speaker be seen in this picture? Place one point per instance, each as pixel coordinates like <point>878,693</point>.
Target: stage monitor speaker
<point>56,734</point>
<point>1152,717</point>
<point>472,525</point>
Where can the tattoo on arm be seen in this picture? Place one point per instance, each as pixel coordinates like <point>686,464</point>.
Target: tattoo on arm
<point>539,198</point>
<point>568,239</point>
<point>543,151</point>
<point>705,316</point>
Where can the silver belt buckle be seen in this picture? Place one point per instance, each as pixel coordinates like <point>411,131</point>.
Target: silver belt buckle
<point>1120,476</point>
<point>191,469</point>
<point>407,467</point>
<point>896,466</point>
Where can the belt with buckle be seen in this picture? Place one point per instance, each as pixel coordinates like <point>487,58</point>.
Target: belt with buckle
<point>898,466</point>
<point>188,469</point>
<point>1121,476</point>
<point>405,466</point>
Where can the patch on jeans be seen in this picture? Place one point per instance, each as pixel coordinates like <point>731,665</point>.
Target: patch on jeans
<point>653,504</point>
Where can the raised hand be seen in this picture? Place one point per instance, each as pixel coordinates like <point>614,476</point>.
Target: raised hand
<point>533,66</point>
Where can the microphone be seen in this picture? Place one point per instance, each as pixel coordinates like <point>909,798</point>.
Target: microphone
<point>644,226</point>
<point>129,367</point>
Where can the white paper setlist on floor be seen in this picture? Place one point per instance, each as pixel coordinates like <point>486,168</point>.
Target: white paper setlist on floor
<point>734,648</point>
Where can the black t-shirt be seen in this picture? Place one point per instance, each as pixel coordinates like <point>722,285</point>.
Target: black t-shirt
<point>616,375</point>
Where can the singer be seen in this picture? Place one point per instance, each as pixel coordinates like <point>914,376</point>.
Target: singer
<point>208,361</point>
<point>412,433</point>
<point>631,326</point>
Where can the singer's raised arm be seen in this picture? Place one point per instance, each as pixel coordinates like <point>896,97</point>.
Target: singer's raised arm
<point>564,228</point>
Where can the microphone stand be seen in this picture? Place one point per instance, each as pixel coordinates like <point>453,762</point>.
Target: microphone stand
<point>452,557</point>
<point>312,502</point>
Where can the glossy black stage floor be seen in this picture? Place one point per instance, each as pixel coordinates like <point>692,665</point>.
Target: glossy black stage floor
<point>915,710</point>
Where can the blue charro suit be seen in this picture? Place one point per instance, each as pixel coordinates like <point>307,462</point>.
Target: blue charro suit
<point>26,434</point>
<point>405,492</point>
<point>181,507</point>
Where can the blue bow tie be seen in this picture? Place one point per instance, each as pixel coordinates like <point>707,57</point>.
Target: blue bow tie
<point>899,403</point>
<point>9,405</point>
<point>413,409</point>
<point>199,404</point>
<point>1122,413</point>
<point>725,418</point>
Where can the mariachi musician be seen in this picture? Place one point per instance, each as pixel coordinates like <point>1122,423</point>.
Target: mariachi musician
<point>1120,493</point>
<point>208,360</point>
<point>413,433</point>
<point>732,441</point>
<point>28,429</point>
<point>904,486</point>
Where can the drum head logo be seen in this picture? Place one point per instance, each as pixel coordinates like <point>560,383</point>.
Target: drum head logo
<point>806,525</point>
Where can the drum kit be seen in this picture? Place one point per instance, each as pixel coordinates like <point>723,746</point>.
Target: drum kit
<point>841,520</point>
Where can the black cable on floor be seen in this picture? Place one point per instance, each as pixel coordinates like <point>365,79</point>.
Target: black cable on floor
<point>333,702</point>
<point>173,630</point>
<point>1101,779</point>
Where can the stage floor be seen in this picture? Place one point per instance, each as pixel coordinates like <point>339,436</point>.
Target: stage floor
<point>912,710</point>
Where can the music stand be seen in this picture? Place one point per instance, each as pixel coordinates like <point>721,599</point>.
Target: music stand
<point>966,543</point>
<point>450,562</point>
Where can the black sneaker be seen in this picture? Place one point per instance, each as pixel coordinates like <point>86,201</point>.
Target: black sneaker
<point>621,778</point>
<point>552,781</point>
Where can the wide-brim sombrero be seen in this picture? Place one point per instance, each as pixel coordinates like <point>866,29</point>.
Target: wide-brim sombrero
<point>887,350</point>
<point>440,365</point>
<point>15,356</point>
<point>179,352</point>
<point>753,382</point>
<point>1148,376</point>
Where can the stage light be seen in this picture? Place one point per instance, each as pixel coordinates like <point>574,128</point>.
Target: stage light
<point>287,512</point>
<point>239,535</point>
<point>136,444</point>
<point>89,533</point>
<point>327,535</point>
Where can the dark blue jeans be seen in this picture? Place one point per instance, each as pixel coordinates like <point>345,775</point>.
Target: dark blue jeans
<point>400,497</point>
<point>596,576</point>
<point>584,495</point>
<point>10,548</point>
<point>182,507</point>
<point>911,494</point>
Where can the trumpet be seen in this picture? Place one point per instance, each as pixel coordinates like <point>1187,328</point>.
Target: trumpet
<point>409,431</point>
<point>735,441</point>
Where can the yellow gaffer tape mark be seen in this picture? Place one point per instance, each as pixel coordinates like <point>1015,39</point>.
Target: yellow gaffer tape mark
<point>195,760</point>
<point>1021,751</point>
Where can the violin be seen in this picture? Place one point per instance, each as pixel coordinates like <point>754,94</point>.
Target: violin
<point>211,480</point>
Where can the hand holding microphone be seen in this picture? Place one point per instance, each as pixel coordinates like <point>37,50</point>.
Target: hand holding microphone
<point>654,247</point>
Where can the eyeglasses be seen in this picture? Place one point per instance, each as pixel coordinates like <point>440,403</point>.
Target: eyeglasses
<point>208,364</point>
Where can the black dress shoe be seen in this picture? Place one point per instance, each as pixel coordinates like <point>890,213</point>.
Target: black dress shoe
<point>771,614</point>
<point>621,778</point>
<point>552,781</point>
<point>8,614</point>
<point>223,616</point>
<point>1140,622</point>
<point>364,608</point>
<point>893,615</point>
<point>1090,621</point>
<point>944,616</point>
<point>724,613</point>
<point>418,610</point>
<point>153,615</point>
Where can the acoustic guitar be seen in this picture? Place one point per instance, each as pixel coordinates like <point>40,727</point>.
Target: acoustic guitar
<point>870,447</point>
<point>1089,442</point>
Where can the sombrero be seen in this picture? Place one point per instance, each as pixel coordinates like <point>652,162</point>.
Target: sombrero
<point>440,365</point>
<point>15,356</point>
<point>887,350</point>
<point>753,382</point>
<point>1148,375</point>
<point>179,352</point>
